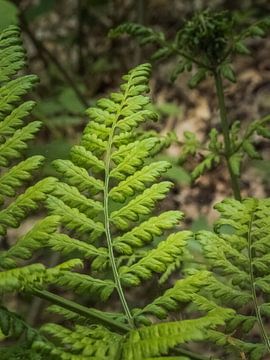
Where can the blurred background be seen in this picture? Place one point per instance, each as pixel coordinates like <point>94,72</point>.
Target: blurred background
<point>69,49</point>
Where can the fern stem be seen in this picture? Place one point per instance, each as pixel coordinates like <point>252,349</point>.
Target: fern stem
<point>192,355</point>
<point>253,288</point>
<point>91,314</point>
<point>108,232</point>
<point>226,133</point>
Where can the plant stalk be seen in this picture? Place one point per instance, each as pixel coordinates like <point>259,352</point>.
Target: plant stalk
<point>108,231</point>
<point>192,355</point>
<point>91,314</point>
<point>226,134</point>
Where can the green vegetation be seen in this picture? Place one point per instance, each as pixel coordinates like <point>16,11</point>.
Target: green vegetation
<point>101,218</point>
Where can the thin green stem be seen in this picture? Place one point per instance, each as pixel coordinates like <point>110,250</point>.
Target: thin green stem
<point>108,231</point>
<point>190,58</point>
<point>91,314</point>
<point>192,355</point>
<point>253,288</point>
<point>226,134</point>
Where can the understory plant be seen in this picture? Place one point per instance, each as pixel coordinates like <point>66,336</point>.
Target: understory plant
<point>206,46</point>
<point>102,214</point>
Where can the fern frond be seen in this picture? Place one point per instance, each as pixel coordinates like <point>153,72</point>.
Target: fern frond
<point>20,278</point>
<point>181,293</point>
<point>85,284</point>
<point>137,181</point>
<point>82,157</point>
<point>143,34</point>
<point>156,260</point>
<point>13,327</point>
<point>12,179</point>
<point>13,147</point>
<point>129,157</point>
<point>71,196</point>
<point>12,92</point>
<point>36,238</point>
<point>67,245</point>
<point>238,256</point>
<point>24,204</point>
<point>106,196</point>
<point>77,176</point>
<point>158,339</point>
<point>141,205</point>
<point>94,342</point>
<point>145,232</point>
<point>74,219</point>
<point>11,53</point>
<point>15,119</point>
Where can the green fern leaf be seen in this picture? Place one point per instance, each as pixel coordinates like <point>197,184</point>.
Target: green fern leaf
<point>24,204</point>
<point>14,90</point>
<point>141,205</point>
<point>13,147</point>
<point>66,245</point>
<point>145,232</point>
<point>238,256</point>
<point>77,176</point>
<point>155,260</point>
<point>85,284</point>
<point>137,181</point>
<point>74,219</point>
<point>34,239</point>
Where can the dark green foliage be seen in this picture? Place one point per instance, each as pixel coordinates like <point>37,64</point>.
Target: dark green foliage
<point>208,40</point>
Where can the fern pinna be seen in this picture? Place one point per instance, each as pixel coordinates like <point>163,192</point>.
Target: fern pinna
<point>15,273</point>
<point>105,199</point>
<point>238,255</point>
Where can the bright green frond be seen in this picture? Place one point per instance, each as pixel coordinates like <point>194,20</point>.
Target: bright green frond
<point>93,342</point>
<point>156,260</point>
<point>12,55</point>
<point>21,278</point>
<point>73,219</point>
<point>146,231</point>
<point>93,143</point>
<point>14,146</point>
<point>82,157</point>
<point>140,205</point>
<point>12,92</point>
<point>158,339</point>
<point>181,293</point>
<point>138,180</point>
<point>73,198</point>
<point>24,204</point>
<point>77,176</point>
<point>85,284</point>
<point>129,157</point>
<point>100,130</point>
<point>67,245</point>
<point>12,179</point>
<point>38,237</point>
<point>15,119</point>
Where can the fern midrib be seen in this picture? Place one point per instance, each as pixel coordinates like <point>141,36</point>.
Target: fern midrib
<point>253,288</point>
<point>107,221</point>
